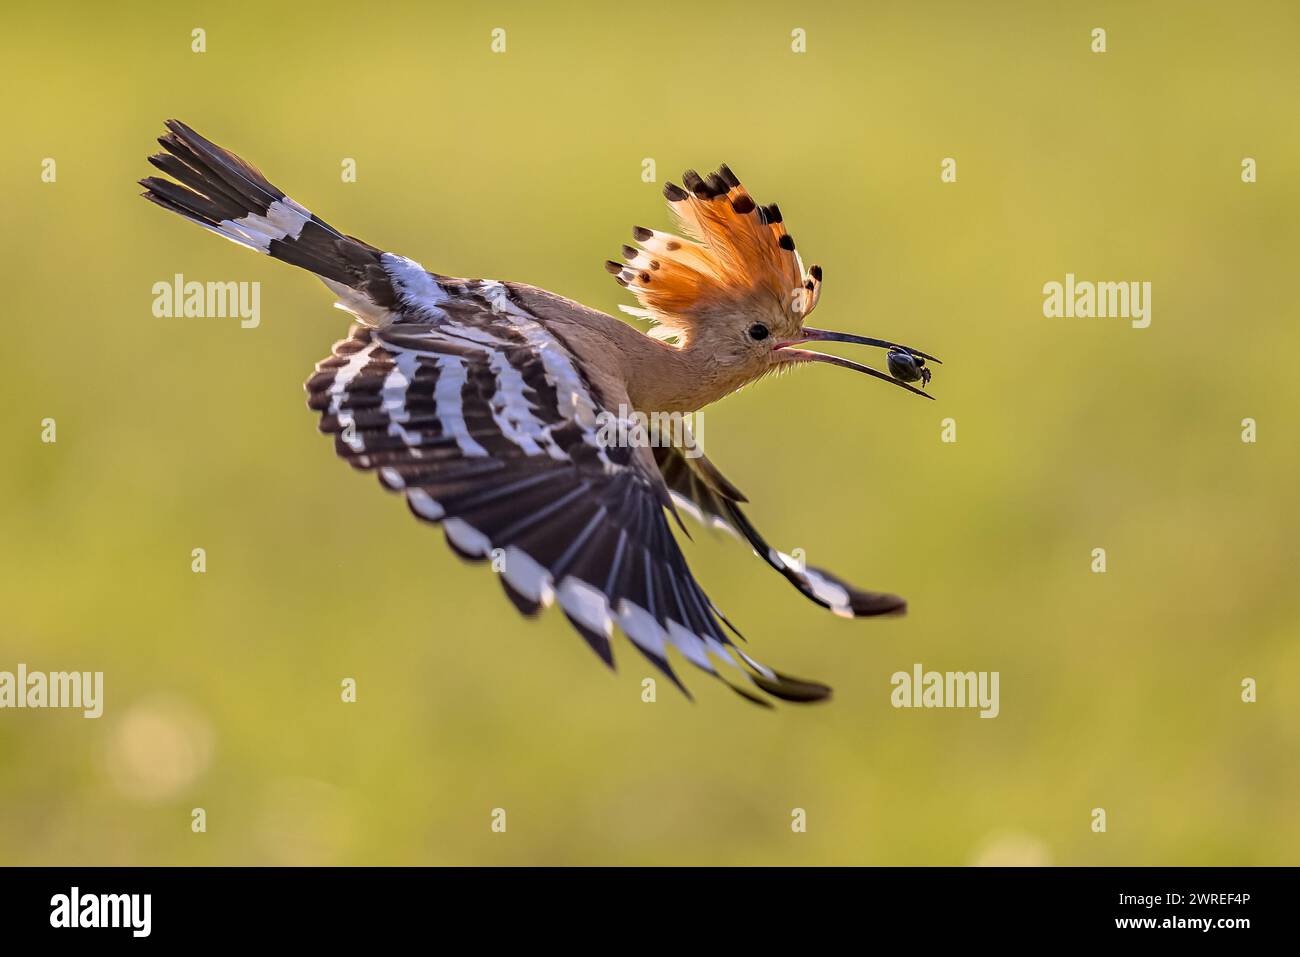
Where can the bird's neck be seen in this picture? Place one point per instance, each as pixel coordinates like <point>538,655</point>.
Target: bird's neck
<point>664,378</point>
<point>656,376</point>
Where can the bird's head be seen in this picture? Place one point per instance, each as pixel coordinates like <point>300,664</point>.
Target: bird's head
<point>736,290</point>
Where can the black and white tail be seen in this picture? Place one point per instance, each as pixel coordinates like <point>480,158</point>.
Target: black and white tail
<point>223,193</point>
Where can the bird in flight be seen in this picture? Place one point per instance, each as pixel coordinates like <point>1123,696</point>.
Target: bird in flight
<point>488,404</point>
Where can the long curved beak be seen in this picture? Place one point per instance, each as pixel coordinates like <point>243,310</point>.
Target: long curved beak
<point>823,335</point>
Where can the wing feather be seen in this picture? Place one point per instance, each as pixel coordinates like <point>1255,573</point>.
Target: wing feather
<point>484,421</point>
<point>700,489</point>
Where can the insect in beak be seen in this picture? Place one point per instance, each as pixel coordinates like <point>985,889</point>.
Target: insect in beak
<point>906,365</point>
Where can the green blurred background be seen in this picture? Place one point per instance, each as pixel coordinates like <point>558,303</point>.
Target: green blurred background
<point>1119,691</point>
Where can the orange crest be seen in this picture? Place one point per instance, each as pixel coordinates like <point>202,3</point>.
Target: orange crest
<point>739,258</point>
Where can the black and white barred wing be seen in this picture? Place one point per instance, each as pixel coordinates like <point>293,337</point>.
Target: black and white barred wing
<point>487,426</point>
<point>700,490</point>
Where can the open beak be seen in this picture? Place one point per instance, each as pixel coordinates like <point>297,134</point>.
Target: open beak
<point>821,335</point>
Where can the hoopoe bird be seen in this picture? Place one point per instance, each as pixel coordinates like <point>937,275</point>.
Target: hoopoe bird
<point>482,402</point>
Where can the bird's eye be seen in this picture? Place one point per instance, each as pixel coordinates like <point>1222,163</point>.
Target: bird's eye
<point>758,332</point>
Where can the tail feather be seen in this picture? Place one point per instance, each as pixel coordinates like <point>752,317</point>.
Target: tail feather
<point>222,193</point>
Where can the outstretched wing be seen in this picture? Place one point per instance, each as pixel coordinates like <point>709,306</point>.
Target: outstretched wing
<point>481,417</point>
<point>701,490</point>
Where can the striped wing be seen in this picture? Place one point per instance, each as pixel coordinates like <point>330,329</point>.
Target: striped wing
<point>486,424</point>
<point>701,490</point>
